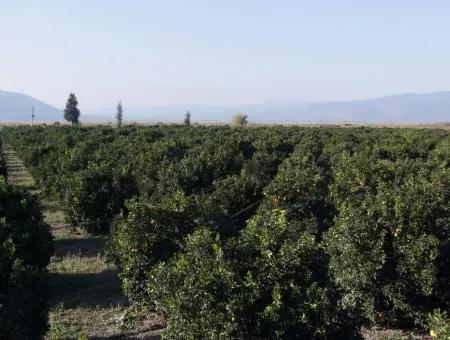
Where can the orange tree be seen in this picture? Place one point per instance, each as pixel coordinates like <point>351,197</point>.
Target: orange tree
<point>25,249</point>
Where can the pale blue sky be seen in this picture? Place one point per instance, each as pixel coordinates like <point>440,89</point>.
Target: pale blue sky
<point>222,52</point>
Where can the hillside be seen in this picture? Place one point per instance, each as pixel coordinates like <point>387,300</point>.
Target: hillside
<point>17,107</point>
<point>403,108</point>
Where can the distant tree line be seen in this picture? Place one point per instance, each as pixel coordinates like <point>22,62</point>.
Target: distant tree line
<point>72,114</point>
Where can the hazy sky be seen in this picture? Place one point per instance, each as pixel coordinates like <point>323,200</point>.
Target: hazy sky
<point>222,52</point>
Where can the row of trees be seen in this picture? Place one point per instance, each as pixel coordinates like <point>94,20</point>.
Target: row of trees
<point>280,232</point>
<point>25,249</point>
<point>3,171</point>
<point>72,114</point>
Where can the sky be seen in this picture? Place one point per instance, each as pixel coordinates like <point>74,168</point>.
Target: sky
<point>168,52</point>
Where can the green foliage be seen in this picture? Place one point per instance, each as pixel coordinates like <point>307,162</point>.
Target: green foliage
<point>390,240</point>
<point>25,249</point>
<point>269,232</point>
<point>71,112</point>
<point>291,294</point>
<point>94,196</point>
<point>439,325</point>
<point>147,236</point>
<point>127,319</point>
<point>194,291</point>
<point>240,119</point>
<point>270,283</point>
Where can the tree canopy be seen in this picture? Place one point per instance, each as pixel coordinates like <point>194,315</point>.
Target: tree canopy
<point>71,112</point>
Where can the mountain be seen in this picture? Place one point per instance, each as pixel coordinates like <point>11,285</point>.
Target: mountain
<point>403,108</point>
<point>17,107</point>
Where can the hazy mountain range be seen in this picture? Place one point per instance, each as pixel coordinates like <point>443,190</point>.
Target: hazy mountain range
<point>403,108</point>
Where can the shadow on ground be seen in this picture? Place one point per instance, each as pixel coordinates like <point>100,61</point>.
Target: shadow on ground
<point>86,247</point>
<point>128,337</point>
<point>87,290</point>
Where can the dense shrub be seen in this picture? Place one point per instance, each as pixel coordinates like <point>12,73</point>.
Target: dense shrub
<point>147,236</point>
<point>286,268</point>
<point>25,248</point>
<point>94,196</point>
<point>390,240</point>
<point>258,284</point>
<point>270,283</point>
<point>194,291</point>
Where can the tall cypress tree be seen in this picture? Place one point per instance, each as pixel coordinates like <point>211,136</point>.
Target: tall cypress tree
<point>119,114</point>
<point>187,118</point>
<point>71,112</point>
